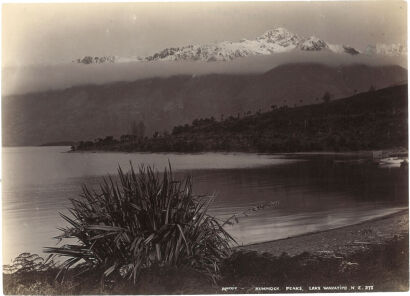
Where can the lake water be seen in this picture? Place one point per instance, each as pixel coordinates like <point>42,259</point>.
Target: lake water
<point>314,191</point>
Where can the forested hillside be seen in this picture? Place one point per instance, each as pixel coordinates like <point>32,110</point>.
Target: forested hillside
<point>370,120</point>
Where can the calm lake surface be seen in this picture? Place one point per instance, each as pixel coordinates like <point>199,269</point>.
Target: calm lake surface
<point>314,191</point>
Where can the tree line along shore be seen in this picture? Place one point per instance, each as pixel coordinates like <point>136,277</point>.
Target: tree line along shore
<point>376,119</point>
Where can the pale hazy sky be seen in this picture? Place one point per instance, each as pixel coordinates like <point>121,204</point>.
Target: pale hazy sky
<point>55,33</point>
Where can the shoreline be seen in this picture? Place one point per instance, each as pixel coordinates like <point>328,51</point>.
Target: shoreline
<point>338,240</point>
<point>327,152</point>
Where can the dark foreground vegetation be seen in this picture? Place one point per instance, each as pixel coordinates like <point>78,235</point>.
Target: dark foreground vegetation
<point>385,267</point>
<point>367,121</point>
<point>142,221</point>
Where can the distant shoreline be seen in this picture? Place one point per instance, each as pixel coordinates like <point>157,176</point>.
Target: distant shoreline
<point>364,153</point>
<point>317,152</point>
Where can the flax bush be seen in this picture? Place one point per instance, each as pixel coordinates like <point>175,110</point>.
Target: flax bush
<point>141,221</point>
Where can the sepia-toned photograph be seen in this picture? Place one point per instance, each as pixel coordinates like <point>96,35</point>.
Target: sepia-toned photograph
<point>157,148</point>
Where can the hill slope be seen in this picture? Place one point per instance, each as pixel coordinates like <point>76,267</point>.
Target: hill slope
<point>371,120</point>
<point>88,112</point>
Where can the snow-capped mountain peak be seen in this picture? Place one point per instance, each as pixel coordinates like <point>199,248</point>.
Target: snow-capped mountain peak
<point>96,60</point>
<point>312,43</point>
<point>280,36</point>
<point>276,40</point>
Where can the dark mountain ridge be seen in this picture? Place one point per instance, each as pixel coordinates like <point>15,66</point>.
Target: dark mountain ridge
<point>92,111</point>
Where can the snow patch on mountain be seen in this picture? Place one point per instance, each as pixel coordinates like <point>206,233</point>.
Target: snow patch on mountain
<point>96,60</point>
<point>279,36</point>
<point>313,43</point>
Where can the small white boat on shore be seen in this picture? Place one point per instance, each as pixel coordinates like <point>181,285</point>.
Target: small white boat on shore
<point>393,162</point>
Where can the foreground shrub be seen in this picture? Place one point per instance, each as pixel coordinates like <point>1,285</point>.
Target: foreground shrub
<point>142,221</point>
<point>27,262</point>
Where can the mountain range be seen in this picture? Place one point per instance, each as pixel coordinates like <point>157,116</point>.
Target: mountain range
<point>277,40</point>
<point>90,111</point>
